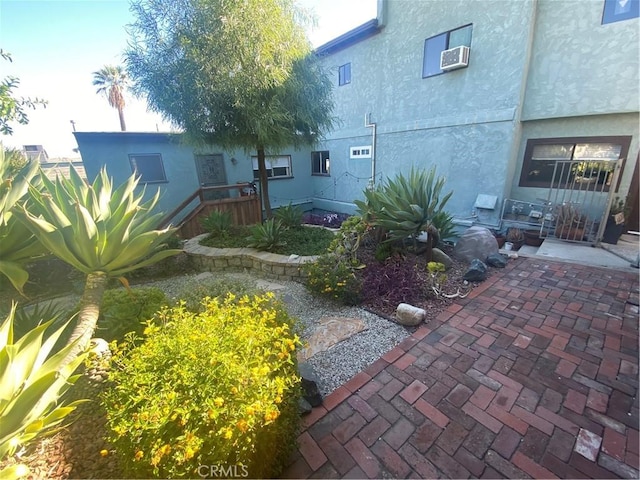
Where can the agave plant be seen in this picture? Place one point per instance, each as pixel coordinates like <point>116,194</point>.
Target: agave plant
<point>17,243</point>
<point>101,231</point>
<point>266,236</point>
<point>31,384</point>
<point>217,222</point>
<point>289,215</point>
<point>406,206</point>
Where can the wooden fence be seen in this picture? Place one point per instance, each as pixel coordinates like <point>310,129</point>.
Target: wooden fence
<point>245,208</point>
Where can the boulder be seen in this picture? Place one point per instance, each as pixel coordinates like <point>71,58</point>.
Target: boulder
<point>439,256</point>
<point>409,315</point>
<point>310,391</point>
<point>475,242</point>
<point>496,260</point>
<point>477,271</point>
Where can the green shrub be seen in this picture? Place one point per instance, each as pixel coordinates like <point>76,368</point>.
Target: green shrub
<point>266,236</point>
<point>193,292</point>
<point>126,310</point>
<point>333,276</point>
<point>217,222</point>
<point>290,215</point>
<point>215,388</point>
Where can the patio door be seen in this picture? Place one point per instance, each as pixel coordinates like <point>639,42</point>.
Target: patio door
<point>211,173</point>
<point>580,196</point>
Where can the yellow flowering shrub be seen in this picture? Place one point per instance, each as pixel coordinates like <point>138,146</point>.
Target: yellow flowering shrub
<point>212,388</point>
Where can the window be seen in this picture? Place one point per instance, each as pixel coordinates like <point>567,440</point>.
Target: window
<point>148,167</point>
<point>360,152</point>
<point>344,74</point>
<point>320,163</point>
<point>278,166</point>
<point>617,10</point>
<point>434,46</point>
<point>572,162</point>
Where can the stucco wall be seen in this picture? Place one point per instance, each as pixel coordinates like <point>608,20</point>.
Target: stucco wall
<point>462,121</point>
<point>579,66</point>
<point>587,126</point>
<point>113,150</point>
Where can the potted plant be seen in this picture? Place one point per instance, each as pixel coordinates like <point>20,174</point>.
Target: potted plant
<point>570,223</point>
<point>500,237</point>
<point>615,227</point>
<point>515,237</point>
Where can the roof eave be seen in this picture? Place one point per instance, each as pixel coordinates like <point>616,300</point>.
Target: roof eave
<point>349,38</point>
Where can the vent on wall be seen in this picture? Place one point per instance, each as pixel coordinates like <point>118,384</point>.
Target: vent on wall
<point>453,58</point>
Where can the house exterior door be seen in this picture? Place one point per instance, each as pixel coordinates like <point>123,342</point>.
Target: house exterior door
<point>211,173</point>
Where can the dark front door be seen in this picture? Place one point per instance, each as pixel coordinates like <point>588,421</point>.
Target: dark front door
<point>211,173</point>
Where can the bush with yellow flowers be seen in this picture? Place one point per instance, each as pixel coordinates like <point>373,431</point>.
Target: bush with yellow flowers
<point>209,391</point>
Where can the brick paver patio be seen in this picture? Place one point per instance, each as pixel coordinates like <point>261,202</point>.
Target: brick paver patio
<point>533,375</point>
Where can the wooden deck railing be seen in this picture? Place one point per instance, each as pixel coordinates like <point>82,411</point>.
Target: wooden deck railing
<point>245,208</point>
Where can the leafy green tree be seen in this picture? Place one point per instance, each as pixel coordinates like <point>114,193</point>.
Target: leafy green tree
<point>239,74</point>
<point>101,231</point>
<point>112,81</point>
<point>12,108</point>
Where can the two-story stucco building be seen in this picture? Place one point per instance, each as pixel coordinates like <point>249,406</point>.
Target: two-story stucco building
<point>527,86</point>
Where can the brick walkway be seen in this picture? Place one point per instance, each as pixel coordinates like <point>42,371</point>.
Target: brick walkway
<point>533,375</point>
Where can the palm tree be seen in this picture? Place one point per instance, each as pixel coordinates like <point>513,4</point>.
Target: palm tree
<point>112,81</point>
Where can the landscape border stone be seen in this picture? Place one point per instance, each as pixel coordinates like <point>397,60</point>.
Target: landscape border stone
<point>270,265</point>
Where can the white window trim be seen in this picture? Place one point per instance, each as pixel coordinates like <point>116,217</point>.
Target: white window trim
<point>274,161</point>
<point>363,151</point>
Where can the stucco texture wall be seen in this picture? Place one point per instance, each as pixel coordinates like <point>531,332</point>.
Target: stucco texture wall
<point>587,126</point>
<point>113,149</point>
<point>579,66</point>
<point>462,121</point>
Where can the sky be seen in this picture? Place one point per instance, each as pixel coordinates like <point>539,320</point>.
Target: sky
<point>56,45</point>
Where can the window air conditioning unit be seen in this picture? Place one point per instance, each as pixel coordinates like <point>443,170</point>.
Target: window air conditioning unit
<point>453,58</point>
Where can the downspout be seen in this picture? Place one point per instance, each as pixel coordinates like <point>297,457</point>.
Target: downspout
<point>368,124</point>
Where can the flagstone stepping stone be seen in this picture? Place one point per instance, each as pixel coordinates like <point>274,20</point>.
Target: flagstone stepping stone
<point>328,332</point>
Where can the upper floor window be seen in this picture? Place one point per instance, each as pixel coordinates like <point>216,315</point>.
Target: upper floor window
<point>148,166</point>
<point>278,166</point>
<point>320,163</point>
<point>617,10</point>
<point>344,74</point>
<point>434,46</point>
<point>583,163</point>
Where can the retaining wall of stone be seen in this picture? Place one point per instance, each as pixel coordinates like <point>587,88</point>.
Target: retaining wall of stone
<point>268,265</point>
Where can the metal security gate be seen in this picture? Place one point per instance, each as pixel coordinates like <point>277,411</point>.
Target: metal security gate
<point>579,199</point>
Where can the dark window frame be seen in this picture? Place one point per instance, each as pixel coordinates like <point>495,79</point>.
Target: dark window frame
<point>426,54</point>
<point>134,167</point>
<point>289,168</point>
<point>320,159</point>
<point>609,14</point>
<point>344,74</point>
<point>623,140</point>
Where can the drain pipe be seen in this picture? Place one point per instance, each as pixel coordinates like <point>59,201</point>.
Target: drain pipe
<point>368,124</point>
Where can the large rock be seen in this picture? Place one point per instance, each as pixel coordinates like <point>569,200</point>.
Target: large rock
<point>439,256</point>
<point>475,242</point>
<point>409,315</point>
<point>477,271</point>
<point>496,260</point>
<point>310,390</point>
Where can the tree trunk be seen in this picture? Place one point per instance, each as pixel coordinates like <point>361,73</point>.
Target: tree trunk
<point>123,127</point>
<point>94,288</point>
<point>264,182</point>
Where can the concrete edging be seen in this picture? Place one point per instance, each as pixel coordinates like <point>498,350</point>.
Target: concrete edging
<point>270,265</point>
